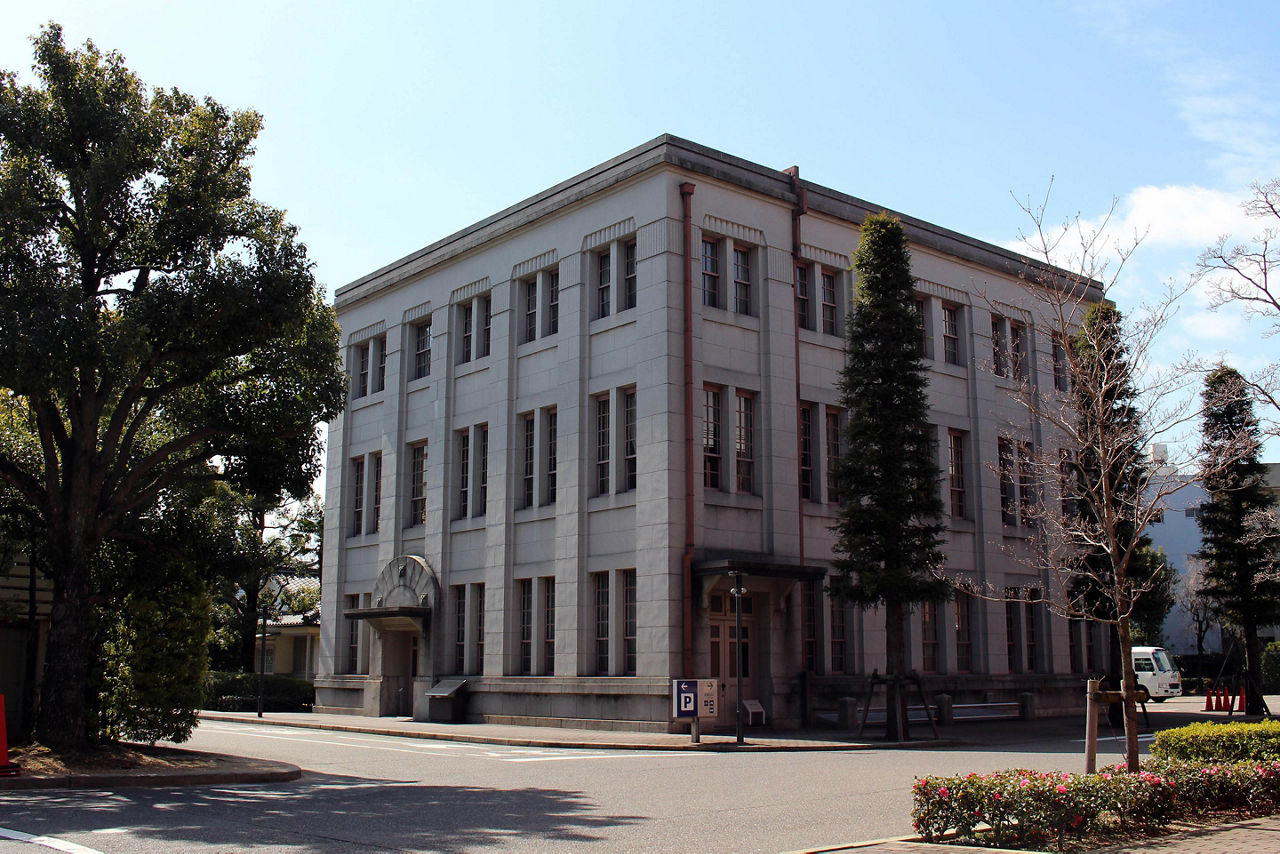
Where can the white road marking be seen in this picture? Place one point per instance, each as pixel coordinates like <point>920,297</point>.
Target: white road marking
<point>47,841</point>
<point>512,754</point>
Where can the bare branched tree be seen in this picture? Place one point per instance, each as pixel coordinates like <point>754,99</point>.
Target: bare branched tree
<point>1193,602</point>
<point>1106,405</point>
<point>1239,274</point>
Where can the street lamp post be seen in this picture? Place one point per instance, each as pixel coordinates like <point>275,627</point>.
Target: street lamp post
<point>738,591</point>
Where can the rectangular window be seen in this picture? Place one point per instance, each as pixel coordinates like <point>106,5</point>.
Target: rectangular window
<point>833,455</point>
<point>380,364</point>
<point>997,346</point>
<point>485,337</point>
<point>357,497</point>
<point>744,445</point>
<point>602,445</point>
<point>529,292</point>
<point>548,626</point>
<point>524,598</point>
<point>741,280</point>
<point>352,602</point>
<point>1060,380</point>
<point>464,473</point>
<point>806,452</point>
<point>375,506</point>
<point>1027,498</point>
<point>553,302</point>
<point>922,322</point>
<point>1090,646</point>
<point>964,632</point>
<point>956,474</point>
<point>600,587</point>
<point>478,610</point>
<point>628,622</point>
<point>929,637</point>
<point>418,484</point>
<point>482,469</point>
<point>839,639</point>
<point>829,316</point>
<point>362,371</point>
<point>604,284</point>
<point>809,624</point>
<point>711,273</point>
<point>711,447</point>
<point>466,320</point>
<point>551,458</point>
<point>1012,636</point>
<point>628,440</point>
<point>1018,350</point>
<point>804,298</point>
<point>527,463</point>
<point>422,348</point>
<point>459,628</point>
<point>1031,625</point>
<point>628,275</point>
<point>951,334</point>
<point>1008,500</point>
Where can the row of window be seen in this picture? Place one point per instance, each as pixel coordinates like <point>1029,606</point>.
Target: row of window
<point>613,627</point>
<point>615,454</point>
<point>612,630</point>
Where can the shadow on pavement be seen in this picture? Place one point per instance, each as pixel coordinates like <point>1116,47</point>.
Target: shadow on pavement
<point>324,813</point>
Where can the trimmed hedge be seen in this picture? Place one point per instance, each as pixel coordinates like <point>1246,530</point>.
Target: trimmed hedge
<point>238,692</point>
<point>1212,742</point>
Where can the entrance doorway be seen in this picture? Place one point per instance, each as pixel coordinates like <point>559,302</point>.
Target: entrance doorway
<point>400,651</point>
<point>723,654</point>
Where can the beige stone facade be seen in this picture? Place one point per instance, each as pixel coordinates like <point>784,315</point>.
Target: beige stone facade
<point>508,487</point>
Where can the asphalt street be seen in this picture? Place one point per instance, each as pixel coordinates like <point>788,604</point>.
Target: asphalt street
<point>378,793</point>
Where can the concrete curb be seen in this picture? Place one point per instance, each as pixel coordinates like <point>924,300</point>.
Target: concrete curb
<point>761,745</point>
<point>241,770</point>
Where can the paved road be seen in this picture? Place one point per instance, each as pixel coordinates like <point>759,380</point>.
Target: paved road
<point>377,793</point>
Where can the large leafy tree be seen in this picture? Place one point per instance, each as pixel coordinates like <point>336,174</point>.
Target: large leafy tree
<point>1240,535</point>
<point>157,319</point>
<point>888,527</point>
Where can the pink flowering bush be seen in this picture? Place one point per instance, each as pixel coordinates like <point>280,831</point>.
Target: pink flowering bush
<point>1027,807</point>
<point>1020,807</point>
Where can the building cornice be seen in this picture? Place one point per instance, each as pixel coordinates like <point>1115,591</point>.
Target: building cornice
<point>687,156</point>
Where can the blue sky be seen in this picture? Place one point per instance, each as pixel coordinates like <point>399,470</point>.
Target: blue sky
<point>390,125</point>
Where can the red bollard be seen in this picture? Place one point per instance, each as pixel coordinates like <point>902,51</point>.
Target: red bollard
<point>1218,704</point>
<point>1208,699</point>
<point>7,768</point>
<point>1228,700</point>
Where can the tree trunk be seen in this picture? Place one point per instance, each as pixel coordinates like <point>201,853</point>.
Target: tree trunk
<point>62,719</point>
<point>1252,670</point>
<point>247,631</point>
<point>895,641</point>
<point>1130,689</point>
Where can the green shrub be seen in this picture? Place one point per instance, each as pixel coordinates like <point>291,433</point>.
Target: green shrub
<point>154,658</point>
<point>1271,668</point>
<point>238,692</point>
<point>1210,742</point>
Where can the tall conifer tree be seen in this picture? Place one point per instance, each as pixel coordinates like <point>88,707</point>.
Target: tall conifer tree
<point>889,524</point>
<point>1238,525</point>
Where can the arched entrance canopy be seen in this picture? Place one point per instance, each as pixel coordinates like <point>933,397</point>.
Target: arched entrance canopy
<point>405,593</point>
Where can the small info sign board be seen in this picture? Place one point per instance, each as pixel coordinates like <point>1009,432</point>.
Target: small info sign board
<point>693,698</point>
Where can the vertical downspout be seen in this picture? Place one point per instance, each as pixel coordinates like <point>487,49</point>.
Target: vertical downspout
<point>686,561</point>
<point>800,209</point>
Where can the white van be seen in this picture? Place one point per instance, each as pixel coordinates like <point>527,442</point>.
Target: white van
<point>1156,675</point>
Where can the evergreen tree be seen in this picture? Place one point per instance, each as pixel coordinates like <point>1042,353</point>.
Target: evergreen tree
<point>1108,473</point>
<point>888,527</point>
<point>1238,525</point>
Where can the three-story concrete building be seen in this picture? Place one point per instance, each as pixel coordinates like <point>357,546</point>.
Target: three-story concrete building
<point>569,423</point>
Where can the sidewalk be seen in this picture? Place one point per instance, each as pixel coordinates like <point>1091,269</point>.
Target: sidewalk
<point>540,736</point>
